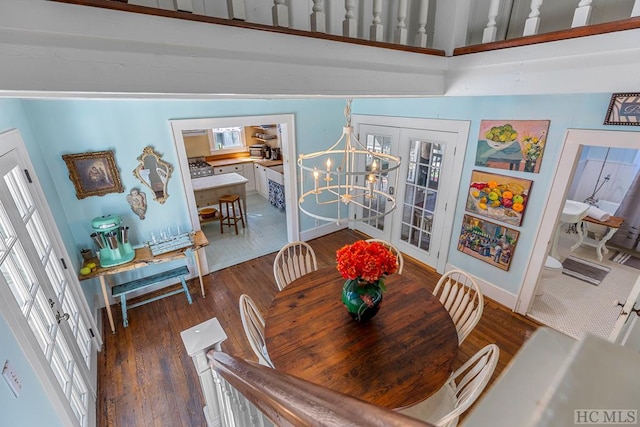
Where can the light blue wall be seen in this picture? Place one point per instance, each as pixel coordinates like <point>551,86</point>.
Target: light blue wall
<point>21,411</point>
<point>564,111</point>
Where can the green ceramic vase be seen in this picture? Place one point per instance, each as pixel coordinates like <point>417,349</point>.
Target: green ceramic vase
<point>362,299</point>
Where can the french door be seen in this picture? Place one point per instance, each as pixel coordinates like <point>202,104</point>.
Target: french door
<point>39,293</point>
<point>428,183</point>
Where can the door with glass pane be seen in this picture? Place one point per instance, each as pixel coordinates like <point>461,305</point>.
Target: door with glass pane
<point>419,221</point>
<point>378,139</point>
<point>421,225</point>
<point>37,294</point>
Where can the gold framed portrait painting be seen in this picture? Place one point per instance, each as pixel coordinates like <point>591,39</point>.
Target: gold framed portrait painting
<point>94,173</point>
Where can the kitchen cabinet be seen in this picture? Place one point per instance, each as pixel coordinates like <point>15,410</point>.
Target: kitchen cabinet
<point>261,180</point>
<point>244,169</point>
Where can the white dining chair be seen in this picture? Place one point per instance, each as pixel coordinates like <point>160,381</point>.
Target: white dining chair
<point>459,293</point>
<point>253,324</point>
<point>462,389</point>
<point>394,250</point>
<point>292,261</point>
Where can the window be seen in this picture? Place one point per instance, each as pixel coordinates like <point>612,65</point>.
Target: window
<point>231,138</point>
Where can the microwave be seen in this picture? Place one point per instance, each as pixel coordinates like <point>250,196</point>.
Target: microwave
<point>258,150</point>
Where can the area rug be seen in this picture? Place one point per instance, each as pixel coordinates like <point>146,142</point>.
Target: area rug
<point>625,259</point>
<point>584,270</point>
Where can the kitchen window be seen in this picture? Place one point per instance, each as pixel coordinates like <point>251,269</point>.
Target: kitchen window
<point>226,138</point>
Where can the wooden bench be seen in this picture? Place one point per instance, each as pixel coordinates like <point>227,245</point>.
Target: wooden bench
<point>123,289</point>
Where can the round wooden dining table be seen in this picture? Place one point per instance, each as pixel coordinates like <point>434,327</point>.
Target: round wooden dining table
<point>403,355</point>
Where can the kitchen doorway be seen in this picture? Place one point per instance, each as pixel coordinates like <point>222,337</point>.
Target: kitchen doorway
<point>575,140</point>
<point>263,233</point>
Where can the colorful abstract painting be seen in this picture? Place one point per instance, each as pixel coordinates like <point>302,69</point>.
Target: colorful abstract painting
<point>488,241</point>
<point>516,145</point>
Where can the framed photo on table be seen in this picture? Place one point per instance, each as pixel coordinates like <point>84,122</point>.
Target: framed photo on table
<point>94,173</point>
<point>624,109</point>
<point>487,241</point>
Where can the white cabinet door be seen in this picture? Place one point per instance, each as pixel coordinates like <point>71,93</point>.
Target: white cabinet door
<point>250,175</point>
<point>626,331</point>
<point>261,181</point>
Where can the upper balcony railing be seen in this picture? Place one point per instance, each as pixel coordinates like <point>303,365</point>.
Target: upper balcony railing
<point>432,27</point>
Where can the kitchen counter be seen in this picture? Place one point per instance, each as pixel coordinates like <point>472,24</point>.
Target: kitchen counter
<point>226,162</point>
<point>217,181</point>
<point>208,190</point>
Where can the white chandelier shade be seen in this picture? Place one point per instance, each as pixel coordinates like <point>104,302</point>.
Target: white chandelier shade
<point>348,181</point>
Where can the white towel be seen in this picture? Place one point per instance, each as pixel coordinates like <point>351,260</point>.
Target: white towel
<point>598,214</point>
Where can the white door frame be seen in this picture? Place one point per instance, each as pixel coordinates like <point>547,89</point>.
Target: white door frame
<point>460,130</point>
<point>288,144</point>
<point>574,140</point>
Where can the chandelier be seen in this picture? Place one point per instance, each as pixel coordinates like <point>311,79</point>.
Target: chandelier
<point>348,181</point>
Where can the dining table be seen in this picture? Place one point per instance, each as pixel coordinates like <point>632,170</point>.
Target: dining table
<point>400,357</point>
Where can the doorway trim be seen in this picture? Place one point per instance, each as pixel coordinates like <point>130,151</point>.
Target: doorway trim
<point>287,144</point>
<point>574,141</point>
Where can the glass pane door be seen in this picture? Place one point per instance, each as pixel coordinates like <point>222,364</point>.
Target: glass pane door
<point>33,272</point>
<point>421,193</point>
<point>378,140</point>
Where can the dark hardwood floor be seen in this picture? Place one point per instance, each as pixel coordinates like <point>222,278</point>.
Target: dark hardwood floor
<point>145,377</point>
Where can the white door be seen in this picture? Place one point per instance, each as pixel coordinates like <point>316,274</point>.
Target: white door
<point>626,331</point>
<point>40,295</point>
<point>378,139</point>
<point>432,153</point>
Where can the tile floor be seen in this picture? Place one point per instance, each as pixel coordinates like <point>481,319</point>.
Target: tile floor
<point>575,307</point>
<point>266,232</point>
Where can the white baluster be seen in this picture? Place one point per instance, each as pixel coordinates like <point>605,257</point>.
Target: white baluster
<point>183,5</point>
<point>376,28</point>
<point>421,35</point>
<point>349,25</point>
<point>280,12</point>
<point>318,21</point>
<point>236,10</point>
<point>401,28</point>
<point>582,14</point>
<point>636,9</point>
<point>491,30</point>
<point>532,24</point>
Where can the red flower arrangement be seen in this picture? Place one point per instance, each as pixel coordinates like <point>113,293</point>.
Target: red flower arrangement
<point>366,261</point>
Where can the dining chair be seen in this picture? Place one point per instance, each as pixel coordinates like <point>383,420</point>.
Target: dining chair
<point>394,250</point>
<point>461,390</point>
<point>459,293</point>
<point>253,324</point>
<point>292,261</point>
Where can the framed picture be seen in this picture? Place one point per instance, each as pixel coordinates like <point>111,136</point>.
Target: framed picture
<point>93,174</point>
<point>516,145</point>
<point>499,197</point>
<point>488,241</point>
<point>624,109</point>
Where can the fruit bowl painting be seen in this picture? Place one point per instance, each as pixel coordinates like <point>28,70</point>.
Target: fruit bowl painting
<point>513,144</point>
<point>499,197</point>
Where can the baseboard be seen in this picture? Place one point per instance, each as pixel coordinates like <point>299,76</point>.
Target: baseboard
<point>320,231</point>
<point>492,291</point>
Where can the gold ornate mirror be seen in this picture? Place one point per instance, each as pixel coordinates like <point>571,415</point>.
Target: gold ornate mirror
<point>154,173</point>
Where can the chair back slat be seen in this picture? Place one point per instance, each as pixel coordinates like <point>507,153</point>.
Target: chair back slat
<point>292,261</point>
<point>461,297</point>
<point>253,324</point>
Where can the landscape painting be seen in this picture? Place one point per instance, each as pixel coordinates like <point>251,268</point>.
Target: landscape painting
<point>488,241</point>
<point>516,145</point>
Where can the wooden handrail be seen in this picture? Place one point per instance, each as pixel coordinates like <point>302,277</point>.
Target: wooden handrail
<point>572,33</point>
<point>118,5</point>
<point>290,401</point>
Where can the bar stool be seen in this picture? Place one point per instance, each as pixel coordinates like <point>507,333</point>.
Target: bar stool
<point>230,216</point>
